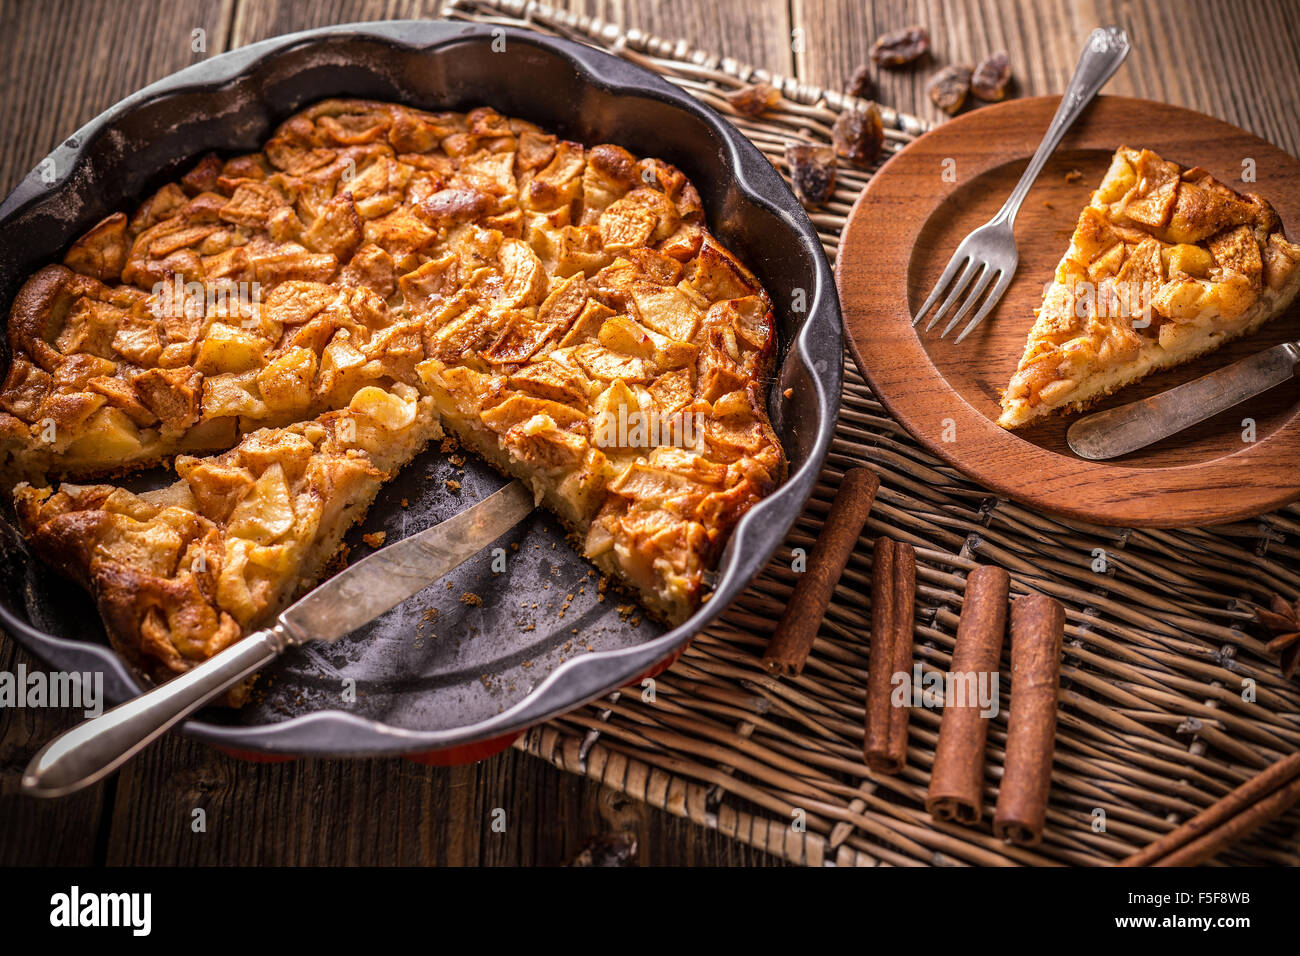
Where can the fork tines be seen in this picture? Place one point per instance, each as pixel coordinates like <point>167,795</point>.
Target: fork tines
<point>980,268</point>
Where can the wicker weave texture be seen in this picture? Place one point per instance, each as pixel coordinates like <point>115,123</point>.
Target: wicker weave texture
<point>1168,699</point>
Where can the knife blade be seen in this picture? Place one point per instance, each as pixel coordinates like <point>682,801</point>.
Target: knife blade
<point>379,582</point>
<point>1118,431</point>
<point>355,596</point>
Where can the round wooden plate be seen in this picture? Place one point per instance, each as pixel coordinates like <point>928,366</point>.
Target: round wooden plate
<point>907,224</point>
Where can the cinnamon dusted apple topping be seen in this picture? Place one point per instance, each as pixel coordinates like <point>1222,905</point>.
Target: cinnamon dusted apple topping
<point>1165,264</point>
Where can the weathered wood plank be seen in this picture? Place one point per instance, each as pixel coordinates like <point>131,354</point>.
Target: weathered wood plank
<point>758,33</point>
<point>51,832</point>
<point>1240,63</point>
<point>259,19</point>
<point>56,74</point>
<point>388,811</point>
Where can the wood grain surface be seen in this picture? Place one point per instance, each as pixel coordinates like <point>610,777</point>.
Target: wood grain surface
<point>62,62</point>
<point>899,239</point>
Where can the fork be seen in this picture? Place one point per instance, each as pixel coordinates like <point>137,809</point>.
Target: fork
<point>990,250</point>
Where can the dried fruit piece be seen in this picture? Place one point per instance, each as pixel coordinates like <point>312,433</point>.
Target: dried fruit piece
<point>900,47</point>
<point>991,78</point>
<point>858,135</point>
<point>949,87</point>
<point>812,171</point>
<point>863,84</point>
<point>611,849</point>
<point>754,100</point>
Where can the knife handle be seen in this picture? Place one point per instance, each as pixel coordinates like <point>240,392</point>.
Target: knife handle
<point>93,749</point>
<point>1118,431</point>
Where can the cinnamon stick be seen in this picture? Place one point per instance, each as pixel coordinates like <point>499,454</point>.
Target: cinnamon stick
<point>793,639</point>
<point>1037,631</point>
<point>1260,799</point>
<point>957,778</point>
<point>893,609</point>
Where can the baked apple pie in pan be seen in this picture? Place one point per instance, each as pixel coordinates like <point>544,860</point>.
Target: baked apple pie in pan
<point>312,315</point>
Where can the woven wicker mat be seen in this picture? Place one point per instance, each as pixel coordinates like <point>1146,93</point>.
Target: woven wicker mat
<point>1168,700</point>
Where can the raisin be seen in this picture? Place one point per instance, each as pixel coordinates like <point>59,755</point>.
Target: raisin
<point>949,87</point>
<point>610,849</point>
<point>754,100</point>
<point>858,135</point>
<point>812,171</point>
<point>991,78</point>
<point>901,47</point>
<point>862,84</point>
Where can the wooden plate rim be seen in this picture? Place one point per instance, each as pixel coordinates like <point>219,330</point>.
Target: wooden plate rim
<point>1057,478</point>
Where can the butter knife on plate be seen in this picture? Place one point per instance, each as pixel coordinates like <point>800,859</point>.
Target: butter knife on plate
<point>350,599</point>
<point>1126,428</point>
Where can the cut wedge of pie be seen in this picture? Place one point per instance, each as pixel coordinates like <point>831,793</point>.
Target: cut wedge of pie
<point>1165,265</point>
<point>180,573</point>
<point>315,312</point>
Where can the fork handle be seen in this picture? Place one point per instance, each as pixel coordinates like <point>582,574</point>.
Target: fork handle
<point>1102,54</point>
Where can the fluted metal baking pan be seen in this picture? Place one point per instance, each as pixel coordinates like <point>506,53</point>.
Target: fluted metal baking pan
<point>417,680</point>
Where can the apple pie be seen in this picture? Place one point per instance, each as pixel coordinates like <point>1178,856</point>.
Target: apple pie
<point>1165,265</point>
<point>311,315</point>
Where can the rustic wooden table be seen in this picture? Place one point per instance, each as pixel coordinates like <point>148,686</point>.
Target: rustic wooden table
<point>63,62</point>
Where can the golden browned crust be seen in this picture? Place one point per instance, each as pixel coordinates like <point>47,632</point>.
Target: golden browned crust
<point>1165,265</point>
<point>532,289</point>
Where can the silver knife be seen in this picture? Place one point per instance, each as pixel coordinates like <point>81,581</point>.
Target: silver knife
<point>354,597</point>
<point>1118,431</point>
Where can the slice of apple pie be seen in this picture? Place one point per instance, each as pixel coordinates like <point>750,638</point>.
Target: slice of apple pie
<point>181,572</point>
<point>561,309</point>
<point>1165,264</point>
